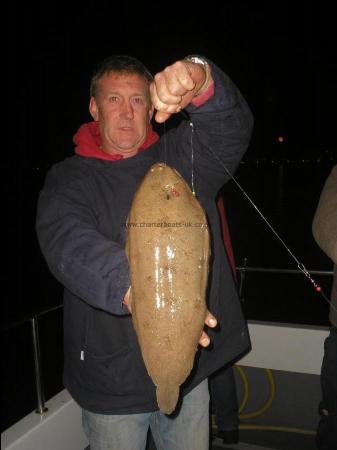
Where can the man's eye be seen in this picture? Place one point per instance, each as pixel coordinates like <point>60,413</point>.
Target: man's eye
<point>138,100</point>
<point>113,99</point>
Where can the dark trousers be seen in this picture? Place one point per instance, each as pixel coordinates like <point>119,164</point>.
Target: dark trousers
<point>326,438</point>
<point>224,399</point>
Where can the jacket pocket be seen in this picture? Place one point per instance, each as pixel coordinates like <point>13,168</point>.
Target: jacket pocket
<point>120,373</point>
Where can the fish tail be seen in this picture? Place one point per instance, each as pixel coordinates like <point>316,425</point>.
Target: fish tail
<point>167,397</point>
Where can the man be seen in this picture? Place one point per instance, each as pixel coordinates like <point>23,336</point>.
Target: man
<point>81,228</point>
<point>324,229</point>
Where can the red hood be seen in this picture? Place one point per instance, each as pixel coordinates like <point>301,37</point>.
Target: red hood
<point>88,142</point>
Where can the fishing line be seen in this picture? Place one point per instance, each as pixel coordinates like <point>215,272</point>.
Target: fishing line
<point>300,265</point>
<point>165,148</point>
<point>192,153</point>
<point>192,160</point>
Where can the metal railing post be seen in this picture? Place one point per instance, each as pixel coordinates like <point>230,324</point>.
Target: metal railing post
<point>41,408</point>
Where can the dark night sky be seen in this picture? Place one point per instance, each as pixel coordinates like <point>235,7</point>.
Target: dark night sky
<point>281,58</point>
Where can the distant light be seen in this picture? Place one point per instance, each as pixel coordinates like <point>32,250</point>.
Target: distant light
<point>281,139</point>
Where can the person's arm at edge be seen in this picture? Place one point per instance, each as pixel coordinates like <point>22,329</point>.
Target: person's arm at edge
<point>324,226</point>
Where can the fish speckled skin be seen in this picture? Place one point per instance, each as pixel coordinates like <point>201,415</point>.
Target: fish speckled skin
<point>168,251</point>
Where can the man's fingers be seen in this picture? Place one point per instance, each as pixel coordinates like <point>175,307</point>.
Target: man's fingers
<point>183,75</point>
<point>160,105</point>
<point>204,341</point>
<point>161,117</point>
<point>178,79</point>
<point>127,300</point>
<point>210,320</point>
<point>168,89</point>
<point>172,89</point>
<point>164,111</point>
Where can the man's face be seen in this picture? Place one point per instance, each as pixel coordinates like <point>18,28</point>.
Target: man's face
<point>123,110</point>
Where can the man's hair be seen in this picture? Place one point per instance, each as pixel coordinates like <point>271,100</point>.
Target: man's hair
<point>119,64</point>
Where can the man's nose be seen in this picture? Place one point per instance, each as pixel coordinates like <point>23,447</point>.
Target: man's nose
<point>127,110</point>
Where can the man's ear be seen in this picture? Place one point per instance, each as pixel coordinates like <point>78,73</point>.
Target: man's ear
<point>93,109</point>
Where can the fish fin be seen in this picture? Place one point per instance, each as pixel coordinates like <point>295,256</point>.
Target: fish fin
<point>167,397</point>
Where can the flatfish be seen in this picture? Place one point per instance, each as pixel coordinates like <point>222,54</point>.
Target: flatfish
<point>168,251</point>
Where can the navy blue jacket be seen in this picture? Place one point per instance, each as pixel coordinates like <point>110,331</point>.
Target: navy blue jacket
<point>81,218</point>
